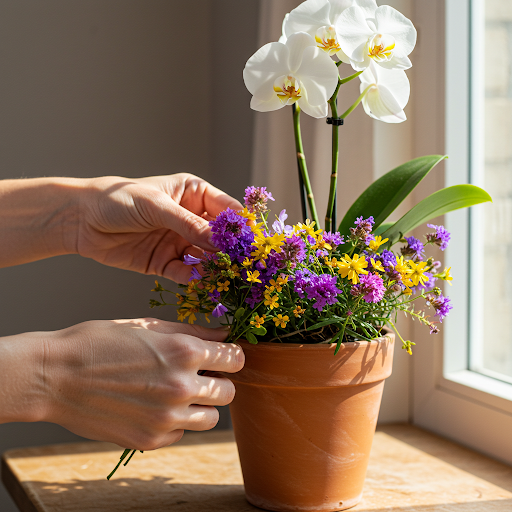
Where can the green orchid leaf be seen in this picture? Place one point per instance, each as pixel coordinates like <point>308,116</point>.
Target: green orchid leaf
<point>382,197</point>
<point>440,202</point>
<point>251,338</point>
<point>383,227</point>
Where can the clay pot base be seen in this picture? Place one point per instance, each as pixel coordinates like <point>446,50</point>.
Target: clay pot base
<point>329,507</point>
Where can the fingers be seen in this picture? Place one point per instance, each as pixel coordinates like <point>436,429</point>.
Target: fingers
<point>222,357</point>
<point>199,417</point>
<point>216,201</point>
<point>167,213</point>
<point>214,391</point>
<point>196,331</point>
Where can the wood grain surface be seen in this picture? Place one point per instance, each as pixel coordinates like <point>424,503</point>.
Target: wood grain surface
<point>410,471</point>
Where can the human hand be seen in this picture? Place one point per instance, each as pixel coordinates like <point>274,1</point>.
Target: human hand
<point>135,382</point>
<point>149,224</point>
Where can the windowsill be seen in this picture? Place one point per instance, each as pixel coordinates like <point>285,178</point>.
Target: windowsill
<point>480,388</point>
<point>409,469</point>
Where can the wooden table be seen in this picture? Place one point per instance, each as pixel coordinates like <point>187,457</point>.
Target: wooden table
<point>410,471</point>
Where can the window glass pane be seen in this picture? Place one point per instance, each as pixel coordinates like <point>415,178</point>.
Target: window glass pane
<point>492,351</point>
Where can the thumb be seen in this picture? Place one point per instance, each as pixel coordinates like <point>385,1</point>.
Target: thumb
<point>168,214</point>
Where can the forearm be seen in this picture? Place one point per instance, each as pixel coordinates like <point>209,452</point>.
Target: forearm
<point>22,379</point>
<point>38,218</point>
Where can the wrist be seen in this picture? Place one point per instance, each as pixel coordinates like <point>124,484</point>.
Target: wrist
<point>39,218</point>
<point>23,381</point>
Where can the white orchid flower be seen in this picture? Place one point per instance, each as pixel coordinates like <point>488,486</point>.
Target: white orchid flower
<point>319,17</point>
<point>386,38</point>
<point>281,74</point>
<point>388,93</point>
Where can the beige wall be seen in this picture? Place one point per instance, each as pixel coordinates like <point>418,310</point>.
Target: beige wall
<point>124,87</point>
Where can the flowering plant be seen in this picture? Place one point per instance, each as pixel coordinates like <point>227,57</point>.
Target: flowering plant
<point>301,284</point>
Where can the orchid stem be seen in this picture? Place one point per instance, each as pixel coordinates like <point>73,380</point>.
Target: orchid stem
<point>353,107</point>
<point>303,170</point>
<point>330,216</point>
<point>348,78</point>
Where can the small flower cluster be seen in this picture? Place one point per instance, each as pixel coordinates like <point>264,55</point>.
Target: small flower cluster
<point>298,283</point>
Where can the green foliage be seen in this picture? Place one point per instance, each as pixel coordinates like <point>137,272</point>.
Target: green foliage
<point>382,197</point>
<point>438,203</point>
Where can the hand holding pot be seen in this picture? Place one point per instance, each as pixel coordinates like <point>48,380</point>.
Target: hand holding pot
<point>131,382</point>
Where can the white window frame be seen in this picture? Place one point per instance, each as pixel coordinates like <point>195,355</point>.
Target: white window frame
<point>448,398</point>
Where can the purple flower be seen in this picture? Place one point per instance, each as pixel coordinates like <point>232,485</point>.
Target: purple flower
<point>256,199</point>
<point>441,237</point>
<point>219,310</point>
<point>293,251</point>
<point>370,286</point>
<point>195,274</point>
<point>333,239</point>
<point>255,297</point>
<point>322,288</point>
<point>188,259</point>
<point>280,227</point>
<point>440,303</point>
<point>232,235</point>
<point>413,248</point>
<point>388,259</point>
<point>363,228</point>
<point>214,295</point>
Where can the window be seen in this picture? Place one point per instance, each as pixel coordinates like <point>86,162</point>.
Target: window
<point>463,386</point>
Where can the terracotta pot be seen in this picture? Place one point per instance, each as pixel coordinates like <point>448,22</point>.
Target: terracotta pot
<point>304,421</point>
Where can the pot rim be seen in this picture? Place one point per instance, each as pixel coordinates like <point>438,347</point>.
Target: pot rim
<point>320,346</point>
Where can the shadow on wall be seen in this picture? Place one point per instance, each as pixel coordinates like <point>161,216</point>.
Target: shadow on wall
<point>122,88</point>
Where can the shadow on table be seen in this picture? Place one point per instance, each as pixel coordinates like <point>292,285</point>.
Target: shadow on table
<point>495,472</point>
<point>161,494</point>
<point>190,438</point>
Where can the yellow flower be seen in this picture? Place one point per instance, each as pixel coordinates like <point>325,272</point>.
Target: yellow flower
<point>281,320</point>
<point>222,286</point>
<point>269,290</point>
<point>206,315</point>
<point>180,298</point>
<point>235,271</point>
<point>298,311</point>
<point>247,263</point>
<point>377,265</point>
<point>308,227</point>
<point>252,277</point>
<point>258,321</point>
<point>375,244</point>
<point>277,285</point>
<point>246,214</point>
<point>417,275</point>
<point>188,311</point>
<point>445,275</point>
<point>191,287</point>
<point>407,291</point>
<point>402,267</point>
<point>351,268</point>
<point>331,263</point>
<point>264,244</point>
<point>322,244</point>
<point>271,302</point>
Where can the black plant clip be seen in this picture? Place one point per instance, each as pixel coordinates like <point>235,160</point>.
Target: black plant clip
<point>336,121</point>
